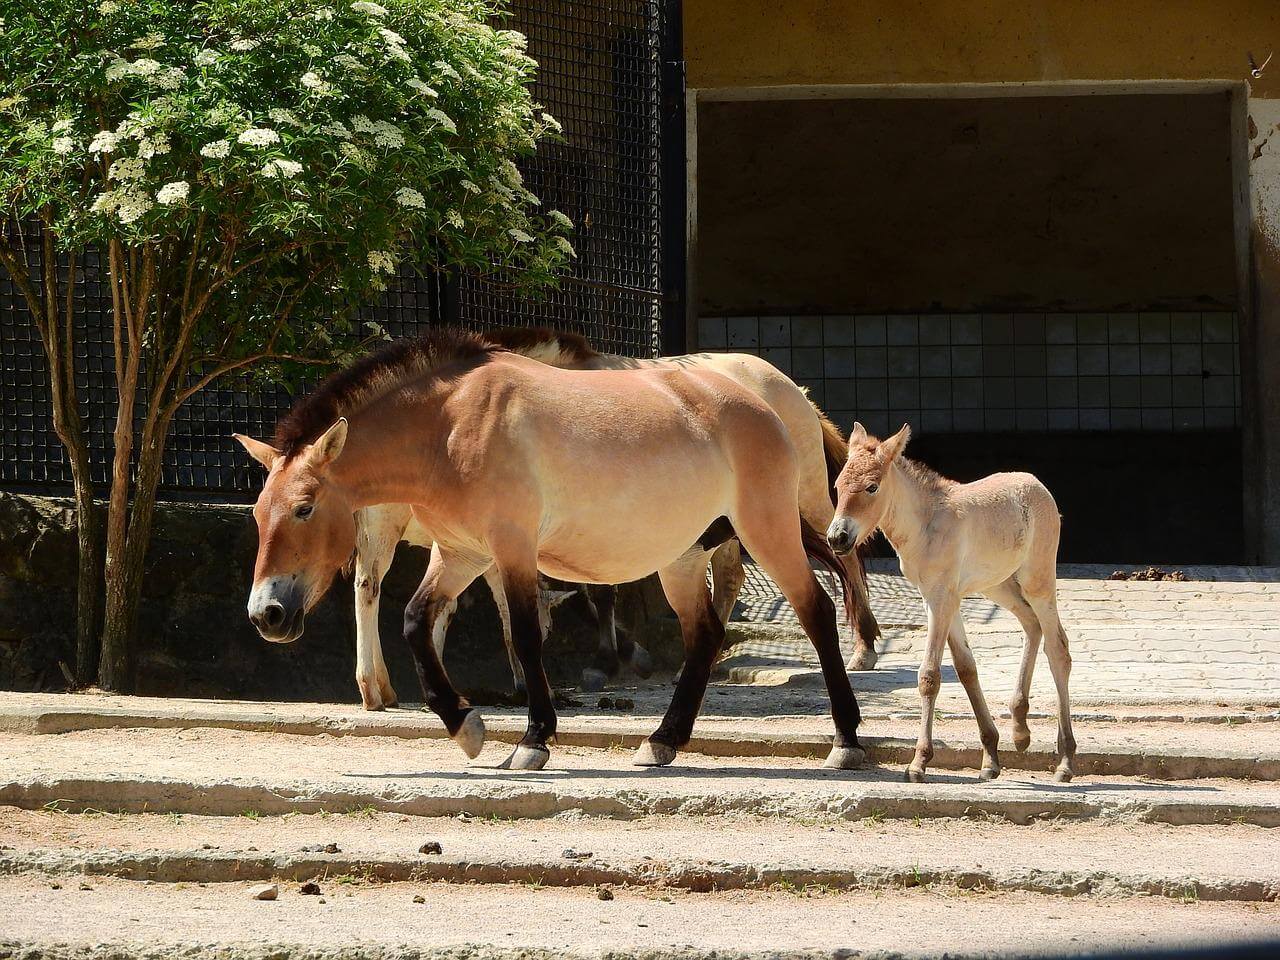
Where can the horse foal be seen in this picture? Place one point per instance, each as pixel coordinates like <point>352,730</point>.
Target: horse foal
<point>997,536</point>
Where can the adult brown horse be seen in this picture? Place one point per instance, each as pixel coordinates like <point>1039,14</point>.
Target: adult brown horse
<point>588,476</point>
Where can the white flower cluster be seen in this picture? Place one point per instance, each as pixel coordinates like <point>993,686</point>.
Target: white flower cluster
<point>411,198</point>
<point>244,46</point>
<point>551,123</point>
<point>216,150</point>
<point>108,7</point>
<point>362,124</point>
<point>127,169</point>
<point>423,88</point>
<point>380,261</point>
<point>153,146</point>
<point>560,219</point>
<point>565,246</point>
<point>519,235</point>
<point>387,135</point>
<point>324,13</point>
<point>336,129</point>
<point>313,81</point>
<point>281,169</point>
<point>127,203</point>
<point>369,9</point>
<point>447,70</point>
<point>104,141</point>
<point>281,115</point>
<point>454,218</point>
<point>152,41</point>
<point>395,44</point>
<point>63,145</point>
<point>442,118</point>
<point>172,193</point>
<point>206,58</point>
<point>348,62</point>
<point>166,78</point>
<point>258,137</point>
<point>470,187</point>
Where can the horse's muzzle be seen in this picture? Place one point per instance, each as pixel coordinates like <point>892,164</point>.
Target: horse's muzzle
<point>277,611</point>
<point>842,535</point>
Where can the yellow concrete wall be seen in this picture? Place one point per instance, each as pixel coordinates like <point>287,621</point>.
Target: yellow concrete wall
<point>763,42</point>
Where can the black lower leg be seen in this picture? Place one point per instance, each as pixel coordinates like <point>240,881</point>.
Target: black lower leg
<point>702,641</point>
<point>419,617</point>
<point>526,637</point>
<point>819,622</point>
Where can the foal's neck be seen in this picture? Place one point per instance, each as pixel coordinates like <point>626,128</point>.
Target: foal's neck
<point>910,504</point>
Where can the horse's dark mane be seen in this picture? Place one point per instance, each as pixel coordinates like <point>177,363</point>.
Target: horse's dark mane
<point>555,347</point>
<point>925,476</point>
<point>373,376</point>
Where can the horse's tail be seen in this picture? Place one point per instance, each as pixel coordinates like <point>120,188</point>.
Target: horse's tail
<point>836,449</point>
<point>555,348</point>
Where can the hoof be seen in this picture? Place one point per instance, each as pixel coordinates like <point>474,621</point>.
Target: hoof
<point>1021,740</point>
<point>526,758</point>
<point>845,758</point>
<point>988,773</point>
<point>470,736</point>
<point>593,680</point>
<point>653,754</point>
<point>914,775</point>
<point>641,663</point>
<point>1063,775</point>
<point>864,658</point>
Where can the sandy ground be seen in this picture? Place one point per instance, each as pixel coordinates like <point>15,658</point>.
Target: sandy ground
<point>577,921</point>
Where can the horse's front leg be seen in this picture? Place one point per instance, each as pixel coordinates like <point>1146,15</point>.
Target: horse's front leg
<point>378,530</point>
<point>447,576</point>
<point>520,585</point>
<point>942,607</point>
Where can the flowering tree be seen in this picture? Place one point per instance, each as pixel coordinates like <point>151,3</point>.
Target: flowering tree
<point>249,170</point>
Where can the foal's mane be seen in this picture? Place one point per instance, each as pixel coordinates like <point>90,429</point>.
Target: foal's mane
<point>374,376</point>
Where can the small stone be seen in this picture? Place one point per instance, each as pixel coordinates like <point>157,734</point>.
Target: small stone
<point>310,889</point>
<point>332,848</point>
<point>254,849</point>
<point>431,846</point>
<point>571,854</point>
<point>207,846</point>
<point>419,898</point>
<point>464,817</point>
<point>605,703</point>
<point>264,891</point>
<point>604,893</point>
<point>85,886</point>
<point>624,703</point>
<point>55,885</point>
<point>322,900</point>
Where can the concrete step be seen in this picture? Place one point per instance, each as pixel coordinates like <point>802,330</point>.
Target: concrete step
<point>106,917</point>
<point>1177,744</point>
<point>229,771</point>
<point>1230,862</point>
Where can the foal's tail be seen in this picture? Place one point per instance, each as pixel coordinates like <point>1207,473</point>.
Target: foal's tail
<point>836,449</point>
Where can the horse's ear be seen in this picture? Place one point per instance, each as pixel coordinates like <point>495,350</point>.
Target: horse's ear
<point>264,453</point>
<point>858,435</point>
<point>329,447</point>
<point>891,448</point>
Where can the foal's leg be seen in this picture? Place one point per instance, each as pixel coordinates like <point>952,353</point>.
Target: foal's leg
<point>528,630</point>
<point>447,576</point>
<point>943,608</point>
<point>1043,600</point>
<point>1009,595</point>
<point>378,530</point>
<point>494,580</point>
<point>967,671</point>
<point>685,585</point>
<point>817,511</point>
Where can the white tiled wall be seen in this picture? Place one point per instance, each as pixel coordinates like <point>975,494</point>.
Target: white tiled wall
<point>1003,372</point>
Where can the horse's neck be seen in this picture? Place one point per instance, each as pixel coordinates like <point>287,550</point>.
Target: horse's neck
<point>392,455</point>
<point>909,508</point>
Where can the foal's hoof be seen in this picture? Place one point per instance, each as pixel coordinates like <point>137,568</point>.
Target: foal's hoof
<point>524,757</point>
<point>1021,740</point>
<point>654,754</point>
<point>470,736</point>
<point>914,775</point>
<point>593,680</point>
<point>845,758</point>
<point>988,773</point>
<point>1063,775</point>
<point>864,658</point>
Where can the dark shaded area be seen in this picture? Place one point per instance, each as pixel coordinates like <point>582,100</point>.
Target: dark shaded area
<point>1089,203</point>
<point>1124,497</point>
<point>195,640</point>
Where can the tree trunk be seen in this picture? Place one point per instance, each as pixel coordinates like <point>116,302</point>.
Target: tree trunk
<point>118,670</point>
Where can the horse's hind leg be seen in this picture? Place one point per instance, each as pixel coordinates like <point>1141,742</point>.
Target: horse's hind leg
<point>519,573</point>
<point>774,541</point>
<point>685,585</point>
<point>494,581</point>
<point>447,576</point>
<point>866,630</point>
<point>1010,596</point>
<point>727,577</point>
<point>378,530</point>
<point>967,671</point>
<point>1041,596</point>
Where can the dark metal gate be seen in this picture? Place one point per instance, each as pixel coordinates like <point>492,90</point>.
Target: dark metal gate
<point>610,73</point>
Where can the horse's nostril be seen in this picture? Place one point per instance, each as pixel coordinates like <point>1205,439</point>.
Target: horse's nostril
<point>272,615</point>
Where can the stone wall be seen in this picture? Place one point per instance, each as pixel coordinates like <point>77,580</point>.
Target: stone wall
<point>194,639</point>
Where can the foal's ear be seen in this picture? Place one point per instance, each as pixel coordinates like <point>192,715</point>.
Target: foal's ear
<point>329,447</point>
<point>264,453</point>
<point>891,448</point>
<point>857,435</point>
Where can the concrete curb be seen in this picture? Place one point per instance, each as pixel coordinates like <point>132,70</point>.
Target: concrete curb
<point>1114,760</point>
<point>541,799</point>
<point>198,866</point>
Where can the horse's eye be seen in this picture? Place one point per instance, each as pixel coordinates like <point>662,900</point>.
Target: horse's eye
<point>304,511</point>
<point>873,488</point>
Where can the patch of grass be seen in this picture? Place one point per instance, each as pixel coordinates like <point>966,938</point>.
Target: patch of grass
<point>874,817</point>
<point>363,813</point>
<point>1190,894</point>
<point>251,815</point>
